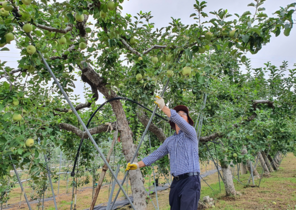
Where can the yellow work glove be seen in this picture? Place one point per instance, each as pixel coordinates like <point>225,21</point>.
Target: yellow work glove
<point>160,102</point>
<point>132,166</point>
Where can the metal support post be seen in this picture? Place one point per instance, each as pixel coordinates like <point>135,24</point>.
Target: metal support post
<point>83,125</point>
<point>112,190</point>
<point>18,179</point>
<point>142,139</point>
<point>49,178</point>
<point>60,171</point>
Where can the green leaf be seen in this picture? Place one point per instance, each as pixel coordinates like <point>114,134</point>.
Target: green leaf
<point>193,14</point>
<point>251,5</point>
<point>4,49</point>
<point>245,38</point>
<point>71,18</point>
<point>204,14</point>
<point>246,13</point>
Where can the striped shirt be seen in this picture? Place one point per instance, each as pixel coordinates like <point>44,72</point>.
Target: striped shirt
<point>182,147</point>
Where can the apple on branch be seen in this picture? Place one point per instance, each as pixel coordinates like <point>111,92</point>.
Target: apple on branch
<point>9,37</point>
<point>79,18</point>
<point>4,12</point>
<point>31,49</point>
<point>28,28</point>
<point>62,40</point>
<point>17,117</point>
<point>186,71</point>
<point>7,6</point>
<point>30,142</point>
<point>26,2</point>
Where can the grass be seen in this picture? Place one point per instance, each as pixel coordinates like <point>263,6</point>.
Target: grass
<point>280,188</point>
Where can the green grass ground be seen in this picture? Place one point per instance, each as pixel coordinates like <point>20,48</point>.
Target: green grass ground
<point>276,192</point>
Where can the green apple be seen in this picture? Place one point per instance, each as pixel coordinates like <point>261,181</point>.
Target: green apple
<point>30,142</point>
<point>103,14</point>
<point>82,45</point>
<point>186,71</point>
<point>201,49</point>
<point>154,60</point>
<point>79,18</point>
<point>3,12</point>
<point>139,77</point>
<point>209,35</point>
<point>140,59</point>
<point>17,117</point>
<point>232,33</point>
<point>111,5</point>
<point>15,102</point>
<point>7,6</point>
<point>62,40</point>
<point>9,37</point>
<point>168,57</point>
<point>25,16</point>
<point>31,49</point>
<point>28,28</point>
<point>274,203</point>
<point>234,155</point>
<point>170,73</point>
<point>26,2</point>
<point>70,110</point>
<point>133,41</point>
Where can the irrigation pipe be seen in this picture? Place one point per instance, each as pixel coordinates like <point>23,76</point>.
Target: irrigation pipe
<point>18,178</point>
<point>142,139</point>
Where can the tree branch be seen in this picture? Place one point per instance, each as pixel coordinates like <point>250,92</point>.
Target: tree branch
<point>210,137</point>
<point>130,48</point>
<point>154,47</point>
<point>153,128</point>
<point>255,102</point>
<point>52,29</point>
<point>80,133</point>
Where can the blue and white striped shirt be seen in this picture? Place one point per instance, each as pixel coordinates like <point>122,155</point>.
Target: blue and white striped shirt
<point>182,147</point>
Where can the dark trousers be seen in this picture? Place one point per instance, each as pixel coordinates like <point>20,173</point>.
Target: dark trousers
<point>185,193</point>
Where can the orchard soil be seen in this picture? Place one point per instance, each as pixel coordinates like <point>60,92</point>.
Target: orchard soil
<point>276,192</point>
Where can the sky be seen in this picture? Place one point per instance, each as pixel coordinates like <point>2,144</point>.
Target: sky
<point>279,49</point>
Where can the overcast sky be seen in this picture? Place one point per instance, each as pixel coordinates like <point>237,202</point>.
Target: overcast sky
<point>279,49</point>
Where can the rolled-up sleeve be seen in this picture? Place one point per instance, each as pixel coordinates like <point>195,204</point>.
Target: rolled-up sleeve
<point>183,125</point>
<point>157,154</point>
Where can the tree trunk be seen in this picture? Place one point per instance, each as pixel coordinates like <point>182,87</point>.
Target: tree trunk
<point>128,148</point>
<point>263,164</point>
<point>274,166</point>
<point>228,180</point>
<point>267,162</point>
<point>244,167</point>
<point>277,159</point>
